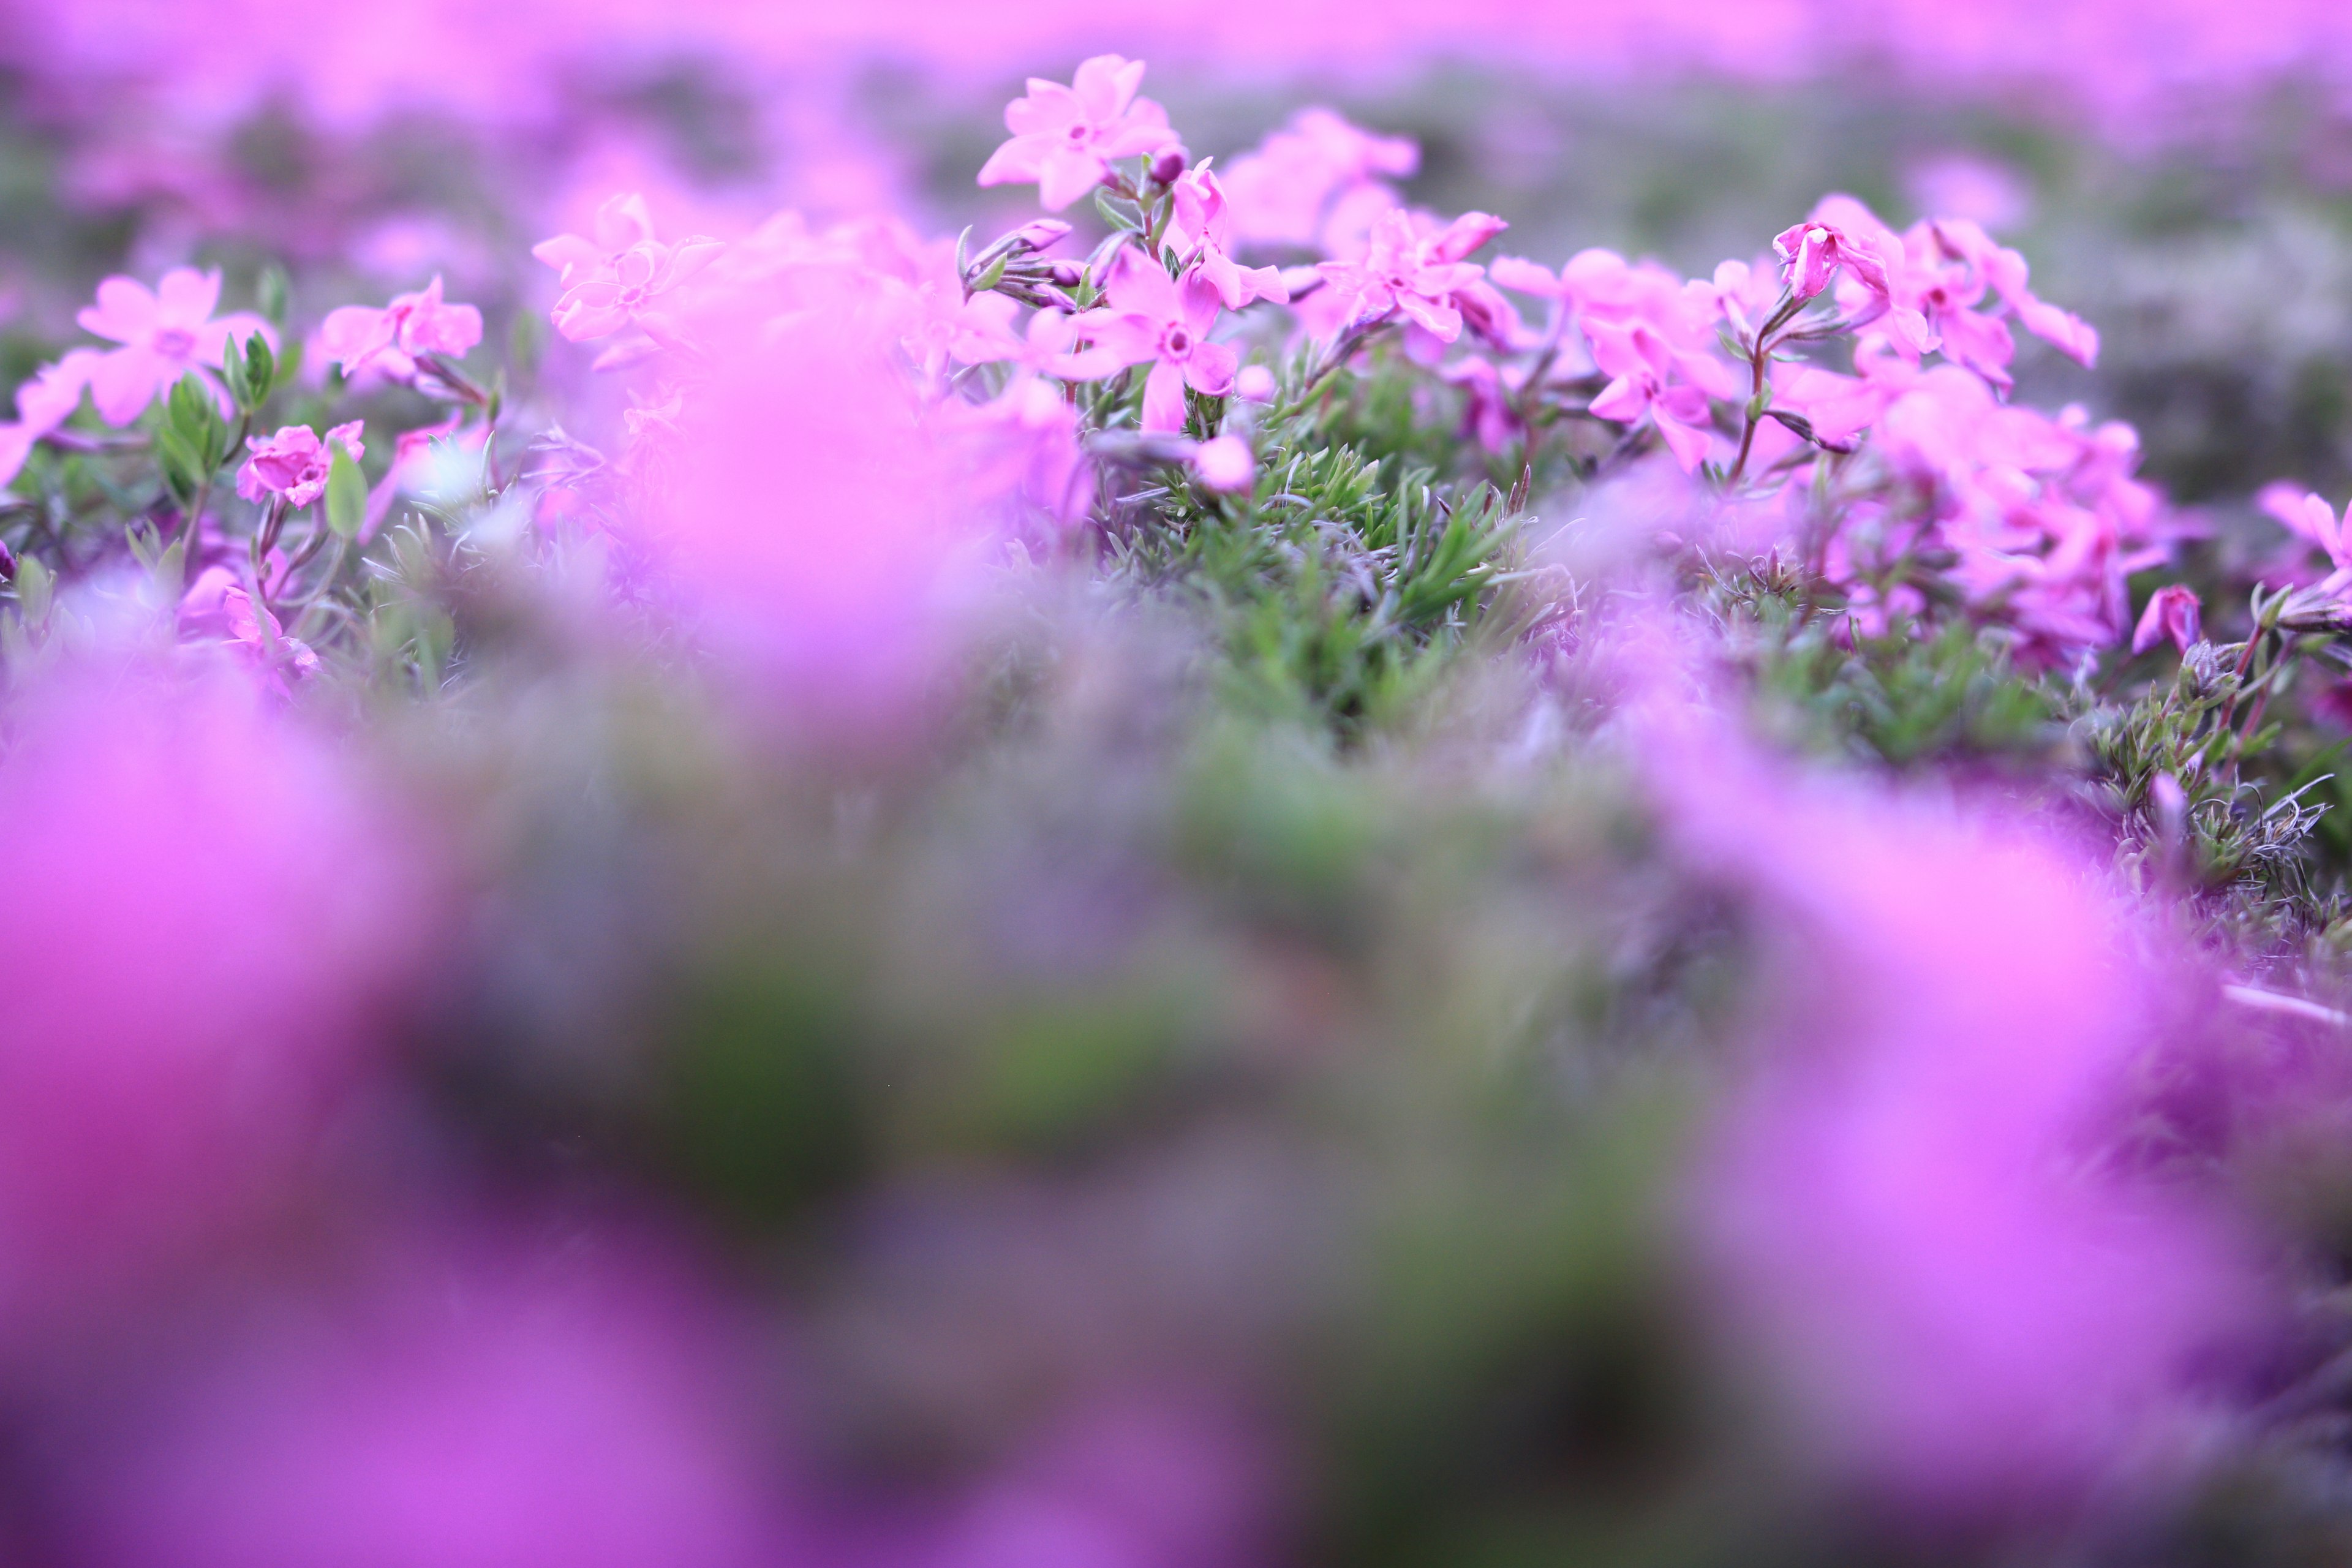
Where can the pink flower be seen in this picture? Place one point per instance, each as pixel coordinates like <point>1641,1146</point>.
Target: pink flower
<point>163,334</point>
<point>1064,138</point>
<point>2310,519</point>
<point>1487,410</point>
<point>612,281</point>
<point>1225,464</point>
<point>1254,383</point>
<point>2172,612</point>
<point>460,1406</point>
<point>257,635</point>
<point>1156,321</point>
<point>202,930</point>
<point>293,464</point>
<point>1021,450</point>
<point>1416,270</point>
<point>1200,231</point>
<point>1318,183</point>
<point>1812,253</point>
<point>392,339</point>
<point>1668,385</point>
<point>42,404</point>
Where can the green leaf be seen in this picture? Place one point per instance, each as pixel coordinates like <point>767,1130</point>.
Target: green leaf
<point>347,495</point>
<point>270,290</point>
<point>35,589</point>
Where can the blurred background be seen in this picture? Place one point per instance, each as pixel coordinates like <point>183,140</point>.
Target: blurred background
<point>1126,1125</point>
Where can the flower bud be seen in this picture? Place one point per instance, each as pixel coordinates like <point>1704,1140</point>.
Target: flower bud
<point>1254,383</point>
<point>1167,165</point>
<point>1040,234</point>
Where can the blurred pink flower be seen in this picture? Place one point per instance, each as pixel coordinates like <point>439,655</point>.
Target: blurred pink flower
<point>44,403</point>
<point>612,281</point>
<point>201,932</point>
<point>2310,519</point>
<point>1416,270</point>
<point>1154,319</point>
<point>1064,137</point>
<point>391,339</point>
<point>2172,612</point>
<point>472,1409</point>
<point>257,635</point>
<point>292,465</point>
<point>1956,1299</point>
<point>164,335</point>
<point>1316,183</point>
<point>1225,464</point>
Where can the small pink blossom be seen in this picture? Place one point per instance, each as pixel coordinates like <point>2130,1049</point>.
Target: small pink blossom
<point>2309,518</point>
<point>1318,183</point>
<point>1154,319</point>
<point>1254,383</point>
<point>165,334</point>
<point>1225,464</point>
<point>2172,612</point>
<point>1064,137</point>
<point>1416,270</point>
<point>393,338</point>
<point>42,404</point>
<point>256,634</point>
<point>293,464</point>
<point>1652,378</point>
<point>613,280</point>
<point>1200,231</point>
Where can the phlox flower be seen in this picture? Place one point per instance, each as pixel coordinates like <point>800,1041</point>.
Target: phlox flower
<point>163,335</point>
<point>2310,519</point>
<point>1200,231</point>
<point>2172,612</point>
<point>1415,269</point>
<point>1652,378</point>
<point>613,280</point>
<point>1021,446</point>
<point>1152,318</point>
<point>258,635</point>
<point>206,924</point>
<point>1957,1309</point>
<point>1225,464</point>
<point>462,1403</point>
<point>1843,240</point>
<point>393,338</point>
<point>292,465</point>
<point>2004,270</point>
<point>1488,411</point>
<point>1064,137</point>
<point>42,404</point>
<point>1316,182</point>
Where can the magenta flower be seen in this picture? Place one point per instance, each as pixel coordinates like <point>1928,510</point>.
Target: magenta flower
<point>1225,464</point>
<point>2172,612</point>
<point>393,338</point>
<point>1812,255</point>
<point>292,465</point>
<point>466,1405</point>
<point>1157,321</point>
<point>42,404</point>
<point>1064,138</point>
<point>1318,182</point>
<point>1653,379</point>
<point>164,335</point>
<point>1413,270</point>
<point>257,636</point>
<point>203,927</point>
<point>612,281</point>
<point>1200,231</point>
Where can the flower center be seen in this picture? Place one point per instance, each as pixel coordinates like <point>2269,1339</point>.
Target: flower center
<point>1080,132</point>
<point>1176,342</point>
<point>175,342</point>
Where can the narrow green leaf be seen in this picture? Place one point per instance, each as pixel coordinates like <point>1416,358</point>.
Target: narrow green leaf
<point>346,495</point>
